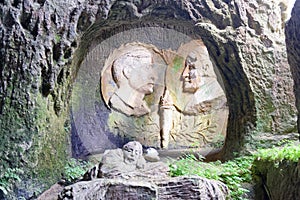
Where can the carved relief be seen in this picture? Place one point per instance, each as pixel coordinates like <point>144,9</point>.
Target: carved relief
<point>193,71</point>
<point>192,80</point>
<point>127,162</point>
<point>166,110</point>
<point>190,75</point>
<point>133,74</point>
<point>165,98</point>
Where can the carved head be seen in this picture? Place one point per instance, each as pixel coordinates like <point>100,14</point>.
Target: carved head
<point>190,75</point>
<point>135,68</point>
<point>133,153</point>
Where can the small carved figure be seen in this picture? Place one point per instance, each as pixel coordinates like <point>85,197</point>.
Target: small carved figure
<point>135,78</point>
<point>166,118</point>
<point>191,78</point>
<point>126,163</point>
<point>119,161</point>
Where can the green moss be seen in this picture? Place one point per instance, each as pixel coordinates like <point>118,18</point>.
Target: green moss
<point>290,152</point>
<point>53,142</point>
<point>16,125</point>
<point>34,140</point>
<point>57,38</point>
<point>275,171</point>
<point>178,61</point>
<point>14,136</point>
<point>9,177</point>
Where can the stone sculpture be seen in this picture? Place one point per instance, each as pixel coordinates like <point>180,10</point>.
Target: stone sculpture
<point>195,86</point>
<point>126,163</point>
<point>189,188</point>
<point>124,174</point>
<point>210,95</point>
<point>165,118</point>
<point>134,77</point>
<point>190,76</point>
<point>186,107</point>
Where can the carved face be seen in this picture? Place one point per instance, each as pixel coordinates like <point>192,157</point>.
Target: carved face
<point>190,76</point>
<point>141,78</point>
<point>131,152</point>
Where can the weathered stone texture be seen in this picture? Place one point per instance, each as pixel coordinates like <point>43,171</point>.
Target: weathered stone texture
<point>109,189</point>
<point>37,41</point>
<point>192,188</point>
<point>293,49</point>
<point>172,188</point>
<point>277,181</point>
<point>267,68</point>
<point>247,45</point>
<point>43,43</point>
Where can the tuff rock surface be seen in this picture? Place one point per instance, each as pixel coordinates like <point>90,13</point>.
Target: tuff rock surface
<point>44,42</point>
<point>293,50</point>
<point>171,188</point>
<point>277,181</point>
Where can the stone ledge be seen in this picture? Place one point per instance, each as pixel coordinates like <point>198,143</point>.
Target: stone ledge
<point>186,187</point>
<point>277,182</point>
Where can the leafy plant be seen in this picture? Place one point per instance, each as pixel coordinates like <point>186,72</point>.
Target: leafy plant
<point>75,169</point>
<point>233,173</point>
<point>237,171</point>
<point>8,178</point>
<point>289,152</point>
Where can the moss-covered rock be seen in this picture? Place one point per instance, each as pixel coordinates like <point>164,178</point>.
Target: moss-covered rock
<point>277,180</point>
<point>277,172</point>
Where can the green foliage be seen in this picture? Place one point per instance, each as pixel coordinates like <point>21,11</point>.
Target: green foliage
<point>74,169</point>
<point>237,171</point>
<point>290,152</point>
<point>8,178</point>
<point>57,38</point>
<point>233,173</point>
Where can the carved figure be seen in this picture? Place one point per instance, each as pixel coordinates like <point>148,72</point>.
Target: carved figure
<point>194,82</point>
<point>166,118</point>
<point>192,112</point>
<point>191,78</point>
<point>127,162</point>
<point>207,92</point>
<point>135,78</point>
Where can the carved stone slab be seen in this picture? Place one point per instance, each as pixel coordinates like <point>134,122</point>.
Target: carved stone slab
<point>120,84</point>
<point>178,188</point>
<point>165,98</point>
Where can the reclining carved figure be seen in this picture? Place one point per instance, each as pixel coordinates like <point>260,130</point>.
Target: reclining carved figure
<point>126,163</point>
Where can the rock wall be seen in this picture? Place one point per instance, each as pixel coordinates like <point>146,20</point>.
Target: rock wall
<point>292,44</point>
<point>44,42</point>
<point>246,42</point>
<point>277,181</point>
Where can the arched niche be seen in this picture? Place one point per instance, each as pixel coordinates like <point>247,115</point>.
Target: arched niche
<point>91,115</point>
